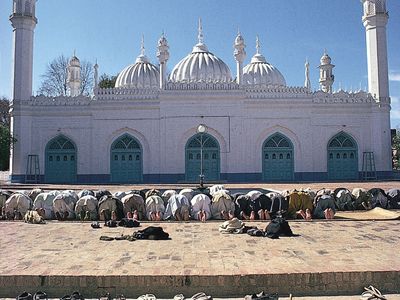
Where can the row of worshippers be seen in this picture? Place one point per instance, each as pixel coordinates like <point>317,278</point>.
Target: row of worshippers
<point>192,204</point>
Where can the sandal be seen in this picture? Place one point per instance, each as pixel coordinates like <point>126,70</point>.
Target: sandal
<point>106,238</point>
<point>372,292</point>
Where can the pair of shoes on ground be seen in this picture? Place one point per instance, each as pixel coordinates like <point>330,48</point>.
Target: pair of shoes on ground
<point>198,296</point>
<point>73,296</point>
<point>28,296</point>
<point>262,296</point>
<point>95,225</point>
<point>107,296</point>
<point>372,292</point>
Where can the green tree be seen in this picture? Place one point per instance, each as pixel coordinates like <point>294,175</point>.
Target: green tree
<point>106,81</point>
<point>6,139</point>
<point>396,150</point>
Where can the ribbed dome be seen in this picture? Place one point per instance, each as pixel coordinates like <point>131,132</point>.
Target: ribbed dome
<point>142,74</point>
<point>259,72</point>
<point>201,65</point>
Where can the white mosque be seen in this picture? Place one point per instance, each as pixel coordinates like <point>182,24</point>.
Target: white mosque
<point>201,120</point>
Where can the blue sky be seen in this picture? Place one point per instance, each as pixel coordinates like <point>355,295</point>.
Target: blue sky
<point>289,31</point>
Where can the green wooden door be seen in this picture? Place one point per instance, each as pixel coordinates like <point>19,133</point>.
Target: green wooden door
<point>278,161</point>
<point>211,158</point>
<point>126,160</point>
<point>342,158</point>
<point>60,163</point>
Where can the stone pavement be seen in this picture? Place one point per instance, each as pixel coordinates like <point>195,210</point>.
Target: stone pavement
<point>385,185</point>
<point>327,258</point>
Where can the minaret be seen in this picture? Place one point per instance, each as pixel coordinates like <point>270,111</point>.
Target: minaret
<point>96,75</point>
<point>240,55</point>
<point>74,76</point>
<point>307,82</point>
<point>163,56</point>
<point>375,19</point>
<point>23,21</point>
<point>326,77</point>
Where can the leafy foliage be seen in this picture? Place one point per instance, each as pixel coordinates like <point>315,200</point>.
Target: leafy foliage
<point>106,81</point>
<point>6,140</point>
<point>396,150</point>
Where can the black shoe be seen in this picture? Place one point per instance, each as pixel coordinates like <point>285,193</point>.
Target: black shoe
<point>66,297</point>
<point>25,296</point>
<point>39,296</point>
<point>95,224</point>
<point>77,296</point>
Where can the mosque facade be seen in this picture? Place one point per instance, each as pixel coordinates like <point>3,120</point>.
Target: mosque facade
<point>201,120</point>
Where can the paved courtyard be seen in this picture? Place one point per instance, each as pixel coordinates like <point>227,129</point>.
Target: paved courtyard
<point>327,258</point>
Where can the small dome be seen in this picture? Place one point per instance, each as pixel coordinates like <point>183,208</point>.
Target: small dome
<point>74,61</point>
<point>201,65</point>
<point>259,72</point>
<point>239,39</point>
<point>142,74</point>
<point>325,59</point>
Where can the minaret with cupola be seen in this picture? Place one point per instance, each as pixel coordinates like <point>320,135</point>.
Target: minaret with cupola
<point>375,19</point>
<point>326,77</point>
<point>163,56</point>
<point>23,21</point>
<point>74,76</point>
<point>239,54</point>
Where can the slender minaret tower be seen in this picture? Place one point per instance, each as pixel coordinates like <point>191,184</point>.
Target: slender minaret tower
<point>307,82</point>
<point>240,55</point>
<point>74,76</point>
<point>23,21</point>
<point>326,77</point>
<point>375,19</point>
<point>163,56</point>
<point>96,75</point>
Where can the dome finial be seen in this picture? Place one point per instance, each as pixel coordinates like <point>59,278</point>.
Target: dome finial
<point>257,45</point>
<point>142,46</point>
<point>200,35</point>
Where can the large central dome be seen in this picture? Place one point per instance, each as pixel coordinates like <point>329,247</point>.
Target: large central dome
<point>201,66</point>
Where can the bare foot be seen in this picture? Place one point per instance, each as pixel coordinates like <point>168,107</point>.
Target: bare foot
<point>135,215</point>
<point>331,213</point>
<point>230,215</point>
<point>261,214</point>
<point>102,215</point>
<point>204,216</point>
<point>152,216</point>
<point>185,215</point>
<point>113,216</point>
<point>178,215</point>
<point>308,215</point>
<point>244,216</point>
<point>267,215</point>
<point>129,215</point>
<point>326,213</point>
<point>301,213</point>
<point>200,215</point>
<point>158,216</point>
<point>252,216</point>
